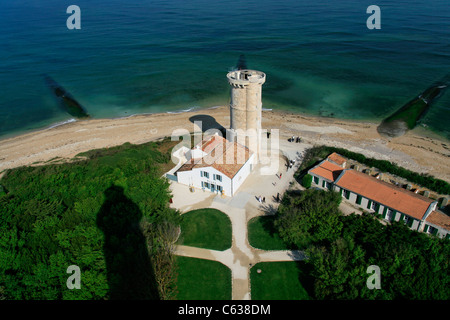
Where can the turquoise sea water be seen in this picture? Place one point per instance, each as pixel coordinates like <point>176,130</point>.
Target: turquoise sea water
<point>145,56</point>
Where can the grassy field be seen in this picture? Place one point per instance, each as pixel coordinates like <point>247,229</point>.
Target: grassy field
<point>262,234</point>
<point>280,281</point>
<point>200,279</point>
<point>206,228</point>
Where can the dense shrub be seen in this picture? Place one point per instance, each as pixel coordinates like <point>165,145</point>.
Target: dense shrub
<point>99,214</point>
<point>340,248</point>
<point>307,180</point>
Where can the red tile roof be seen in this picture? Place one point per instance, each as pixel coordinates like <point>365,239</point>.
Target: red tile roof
<point>439,219</point>
<point>327,170</point>
<point>223,155</point>
<point>384,193</point>
<point>337,158</point>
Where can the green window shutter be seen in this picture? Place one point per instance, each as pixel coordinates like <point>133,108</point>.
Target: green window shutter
<point>369,204</point>
<point>426,228</point>
<point>384,211</point>
<point>358,199</point>
<point>410,222</point>
<point>323,183</point>
<point>447,236</point>
<point>316,180</point>
<point>401,217</point>
<point>394,213</point>
<point>340,192</point>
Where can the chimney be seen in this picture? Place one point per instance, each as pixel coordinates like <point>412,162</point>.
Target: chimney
<point>426,193</point>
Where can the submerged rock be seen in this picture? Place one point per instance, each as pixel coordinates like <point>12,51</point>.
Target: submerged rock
<point>65,99</point>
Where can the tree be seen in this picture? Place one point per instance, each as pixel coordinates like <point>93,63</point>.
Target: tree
<point>48,222</point>
<point>307,181</point>
<point>308,217</point>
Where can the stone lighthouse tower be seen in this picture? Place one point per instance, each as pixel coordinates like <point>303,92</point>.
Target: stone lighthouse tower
<point>246,107</point>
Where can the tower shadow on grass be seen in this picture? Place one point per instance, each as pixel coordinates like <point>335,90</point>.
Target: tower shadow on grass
<point>129,269</point>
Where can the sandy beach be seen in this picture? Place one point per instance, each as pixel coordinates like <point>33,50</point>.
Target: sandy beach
<point>419,150</point>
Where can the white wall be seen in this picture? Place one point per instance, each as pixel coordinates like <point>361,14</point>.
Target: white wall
<point>230,186</point>
<point>185,177</point>
<point>441,232</point>
<point>194,178</point>
<point>225,183</point>
<point>242,174</point>
<point>320,184</point>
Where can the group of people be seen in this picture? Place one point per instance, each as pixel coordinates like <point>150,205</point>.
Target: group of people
<point>263,199</point>
<point>291,164</point>
<point>296,139</point>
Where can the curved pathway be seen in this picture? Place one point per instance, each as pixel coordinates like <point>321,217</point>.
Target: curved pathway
<point>241,256</point>
<point>240,209</point>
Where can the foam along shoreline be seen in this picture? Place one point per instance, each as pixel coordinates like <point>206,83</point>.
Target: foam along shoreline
<point>57,124</point>
<point>418,150</point>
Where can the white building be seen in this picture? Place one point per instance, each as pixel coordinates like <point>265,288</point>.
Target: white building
<point>222,165</point>
<point>216,165</point>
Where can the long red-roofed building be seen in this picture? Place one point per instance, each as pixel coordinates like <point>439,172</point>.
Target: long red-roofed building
<point>391,202</point>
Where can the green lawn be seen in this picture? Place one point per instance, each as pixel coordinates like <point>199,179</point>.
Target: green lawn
<point>262,234</point>
<point>206,228</point>
<point>200,279</point>
<point>280,281</point>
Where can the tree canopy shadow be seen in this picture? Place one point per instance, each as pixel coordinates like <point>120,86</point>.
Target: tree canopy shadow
<point>129,269</point>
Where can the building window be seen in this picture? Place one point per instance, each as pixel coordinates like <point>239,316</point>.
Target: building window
<point>217,177</point>
<point>204,174</point>
<point>316,180</point>
<point>406,219</point>
<point>328,185</point>
<point>219,188</point>
<point>376,207</point>
<point>347,194</point>
<point>206,185</point>
<point>390,215</point>
<point>358,199</point>
<point>432,230</point>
